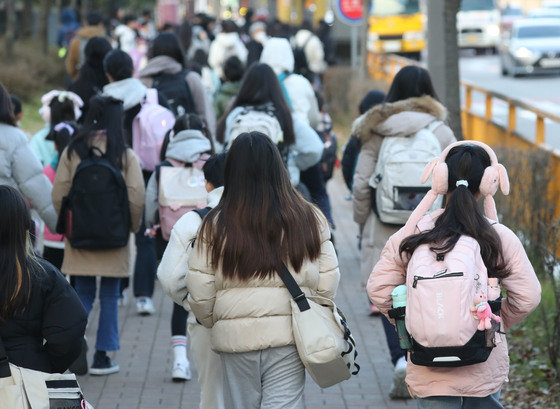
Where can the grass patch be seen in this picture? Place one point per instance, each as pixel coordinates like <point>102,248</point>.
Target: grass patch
<point>31,122</point>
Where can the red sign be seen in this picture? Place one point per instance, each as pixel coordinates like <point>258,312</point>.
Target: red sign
<point>351,10</point>
<point>167,12</point>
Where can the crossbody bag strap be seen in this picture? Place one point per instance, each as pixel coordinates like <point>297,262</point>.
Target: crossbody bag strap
<point>292,286</point>
<point>4,363</point>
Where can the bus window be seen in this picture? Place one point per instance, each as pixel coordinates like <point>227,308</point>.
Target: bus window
<point>477,5</point>
<point>382,8</point>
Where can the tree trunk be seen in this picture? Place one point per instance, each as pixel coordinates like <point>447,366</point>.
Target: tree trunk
<point>10,33</point>
<point>364,39</point>
<point>84,10</point>
<point>443,57</point>
<point>27,18</point>
<point>44,25</point>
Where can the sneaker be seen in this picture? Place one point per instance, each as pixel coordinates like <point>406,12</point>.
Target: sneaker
<point>103,365</point>
<point>144,306</point>
<point>123,300</point>
<point>181,371</point>
<point>398,388</point>
<point>80,366</point>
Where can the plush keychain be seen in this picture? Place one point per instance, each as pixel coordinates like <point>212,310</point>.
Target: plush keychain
<point>482,311</point>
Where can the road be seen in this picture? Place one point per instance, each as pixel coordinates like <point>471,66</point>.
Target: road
<point>540,91</point>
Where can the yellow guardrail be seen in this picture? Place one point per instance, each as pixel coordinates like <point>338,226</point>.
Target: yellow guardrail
<point>483,127</point>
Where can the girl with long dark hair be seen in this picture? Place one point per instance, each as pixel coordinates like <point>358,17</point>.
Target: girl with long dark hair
<point>410,106</point>
<point>260,223</point>
<point>42,321</point>
<point>261,90</point>
<point>472,170</point>
<point>102,134</point>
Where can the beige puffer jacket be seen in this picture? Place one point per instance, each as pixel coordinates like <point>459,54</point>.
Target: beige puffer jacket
<point>255,314</point>
<point>400,118</point>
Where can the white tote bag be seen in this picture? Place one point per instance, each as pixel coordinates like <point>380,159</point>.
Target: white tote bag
<point>324,342</point>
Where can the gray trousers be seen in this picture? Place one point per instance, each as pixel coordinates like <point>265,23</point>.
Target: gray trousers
<point>272,378</point>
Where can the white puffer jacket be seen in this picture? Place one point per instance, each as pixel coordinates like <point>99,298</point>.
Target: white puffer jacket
<point>256,314</point>
<point>20,169</point>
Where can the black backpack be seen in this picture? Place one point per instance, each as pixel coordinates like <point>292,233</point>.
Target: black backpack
<point>175,88</point>
<point>301,65</point>
<point>96,214</point>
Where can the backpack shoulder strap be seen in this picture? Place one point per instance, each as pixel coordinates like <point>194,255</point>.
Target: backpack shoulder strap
<point>152,96</point>
<point>203,212</point>
<point>294,289</point>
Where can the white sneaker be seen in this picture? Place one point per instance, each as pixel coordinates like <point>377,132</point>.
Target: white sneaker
<point>398,388</point>
<point>123,300</point>
<point>181,371</point>
<point>144,306</point>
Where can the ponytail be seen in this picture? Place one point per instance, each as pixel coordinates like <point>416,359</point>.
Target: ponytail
<point>462,215</point>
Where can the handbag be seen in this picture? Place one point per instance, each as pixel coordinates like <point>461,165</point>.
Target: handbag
<point>22,388</point>
<point>323,340</point>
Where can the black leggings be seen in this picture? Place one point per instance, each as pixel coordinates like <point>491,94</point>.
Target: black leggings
<point>179,320</point>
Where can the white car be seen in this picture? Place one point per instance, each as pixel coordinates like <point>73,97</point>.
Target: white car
<point>478,25</point>
<point>534,47</point>
<point>544,13</point>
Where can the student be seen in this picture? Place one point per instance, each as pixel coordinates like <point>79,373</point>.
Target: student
<point>261,92</point>
<point>411,105</point>
<point>226,44</point>
<point>166,57</point>
<point>233,284</point>
<point>21,169</point>
<point>102,133</point>
<point>465,172</point>
<point>42,321</point>
<point>231,83</point>
<point>172,272</point>
<point>76,57</point>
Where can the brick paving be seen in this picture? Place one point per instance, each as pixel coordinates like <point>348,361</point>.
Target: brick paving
<point>145,357</point>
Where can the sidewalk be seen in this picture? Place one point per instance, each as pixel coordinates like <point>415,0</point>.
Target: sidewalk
<point>145,357</point>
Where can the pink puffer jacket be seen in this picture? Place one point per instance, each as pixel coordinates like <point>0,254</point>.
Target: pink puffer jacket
<point>523,295</point>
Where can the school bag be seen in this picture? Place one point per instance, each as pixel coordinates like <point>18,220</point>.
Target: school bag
<point>396,185</point>
<point>440,292</point>
<point>262,119</point>
<point>180,190</point>
<point>149,128</point>
<point>175,88</point>
<point>96,213</point>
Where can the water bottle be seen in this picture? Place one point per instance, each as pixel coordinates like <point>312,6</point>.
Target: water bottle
<point>399,300</point>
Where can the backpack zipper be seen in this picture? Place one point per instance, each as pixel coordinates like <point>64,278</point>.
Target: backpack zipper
<point>441,274</point>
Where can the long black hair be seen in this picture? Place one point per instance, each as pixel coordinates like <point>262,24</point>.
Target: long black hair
<point>410,82</point>
<point>462,215</point>
<point>17,261</point>
<point>6,108</point>
<point>167,44</point>
<point>261,220</point>
<point>105,115</point>
<point>260,86</point>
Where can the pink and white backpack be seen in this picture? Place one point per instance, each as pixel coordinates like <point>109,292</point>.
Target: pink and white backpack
<point>181,190</point>
<point>149,128</point>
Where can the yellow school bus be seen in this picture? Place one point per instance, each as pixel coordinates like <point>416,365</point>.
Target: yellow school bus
<point>397,26</point>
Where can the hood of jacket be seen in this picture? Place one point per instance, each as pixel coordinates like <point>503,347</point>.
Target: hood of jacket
<point>68,17</point>
<point>278,54</point>
<point>160,65</point>
<point>399,118</point>
<point>130,91</point>
<point>214,196</point>
<point>187,146</point>
<point>226,40</point>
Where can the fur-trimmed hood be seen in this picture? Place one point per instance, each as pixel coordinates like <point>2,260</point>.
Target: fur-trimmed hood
<point>400,118</point>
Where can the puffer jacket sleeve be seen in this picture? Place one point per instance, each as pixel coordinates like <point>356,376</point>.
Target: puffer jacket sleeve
<point>445,136</point>
<point>136,189</point>
<point>523,290</point>
<point>151,210</point>
<point>201,285</point>
<point>308,147</point>
<point>202,100</point>
<point>365,167</point>
<point>329,274</point>
<point>173,269</point>
<point>32,183</point>
<point>388,273</point>
<point>64,322</point>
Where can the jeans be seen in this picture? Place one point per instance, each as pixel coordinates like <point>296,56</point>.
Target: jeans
<point>313,179</point>
<point>457,402</point>
<point>179,320</point>
<point>392,340</point>
<point>146,264</point>
<point>108,329</point>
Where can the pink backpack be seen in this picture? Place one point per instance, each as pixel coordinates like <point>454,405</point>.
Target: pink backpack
<point>440,292</point>
<point>149,128</point>
<point>181,189</point>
